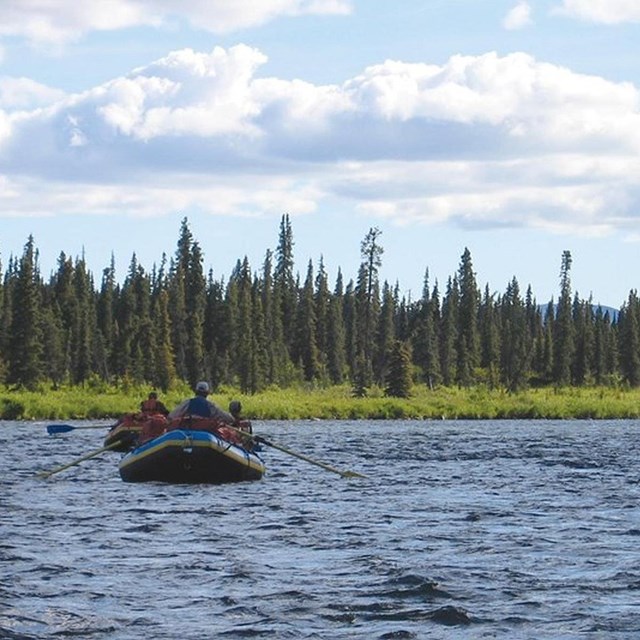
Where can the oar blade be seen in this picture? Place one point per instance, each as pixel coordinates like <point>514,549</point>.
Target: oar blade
<point>59,428</point>
<point>352,474</point>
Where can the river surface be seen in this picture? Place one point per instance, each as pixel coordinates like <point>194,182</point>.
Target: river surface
<point>511,529</point>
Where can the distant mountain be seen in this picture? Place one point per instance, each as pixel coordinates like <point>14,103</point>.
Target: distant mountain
<point>613,313</point>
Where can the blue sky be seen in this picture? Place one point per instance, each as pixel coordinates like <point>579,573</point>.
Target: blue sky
<point>510,127</point>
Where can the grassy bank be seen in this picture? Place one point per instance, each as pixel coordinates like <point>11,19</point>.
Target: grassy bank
<point>337,403</point>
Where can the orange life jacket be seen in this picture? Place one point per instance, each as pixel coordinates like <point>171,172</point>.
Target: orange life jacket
<point>152,428</point>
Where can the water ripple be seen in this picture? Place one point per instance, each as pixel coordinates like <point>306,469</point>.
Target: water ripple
<point>463,529</point>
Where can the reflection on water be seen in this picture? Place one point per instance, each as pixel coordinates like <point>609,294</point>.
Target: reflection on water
<point>461,529</point>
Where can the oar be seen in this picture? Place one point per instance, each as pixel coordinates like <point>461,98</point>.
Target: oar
<point>46,474</point>
<point>295,454</point>
<point>64,428</point>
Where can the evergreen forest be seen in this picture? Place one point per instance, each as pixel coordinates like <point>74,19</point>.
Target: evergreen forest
<point>274,327</point>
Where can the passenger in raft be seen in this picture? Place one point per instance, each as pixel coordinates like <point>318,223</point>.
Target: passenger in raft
<point>200,406</point>
<point>235,407</point>
<point>153,405</point>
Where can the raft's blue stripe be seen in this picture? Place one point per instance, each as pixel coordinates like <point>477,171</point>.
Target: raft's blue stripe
<point>198,439</point>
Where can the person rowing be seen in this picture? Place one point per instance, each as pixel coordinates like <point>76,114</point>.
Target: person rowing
<point>200,406</point>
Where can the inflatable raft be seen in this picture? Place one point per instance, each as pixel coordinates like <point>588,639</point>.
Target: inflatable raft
<point>191,456</point>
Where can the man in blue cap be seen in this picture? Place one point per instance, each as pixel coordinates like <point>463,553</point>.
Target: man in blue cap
<point>200,406</point>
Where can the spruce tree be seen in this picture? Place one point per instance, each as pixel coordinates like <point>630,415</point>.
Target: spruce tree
<point>53,344</point>
<point>612,351</point>
<point>630,340</point>
<point>402,314</point>
<point>106,320</point>
<point>367,307</point>
<point>66,307</point>
<point>583,320</point>
<point>489,329</point>
<point>25,349</point>
<point>84,324</point>
<point>232,323</point>
<point>349,311</point>
<point>425,335</point>
<point>195,301</point>
<point>398,378</point>
<point>285,290</point>
<point>178,300</point>
<point>305,346</point>
<point>535,332</point>
<point>274,340</point>
<point>385,335</point>
<point>259,340</point>
<point>599,345</point>
<point>371,254</point>
<point>422,329</point>
<point>215,333</point>
<point>177,314</point>
<point>322,306</point>
<point>467,337</point>
<point>549,347</point>
<point>126,352</point>
<point>245,363</point>
<point>8,284</point>
<point>164,375</point>
<point>449,332</point>
<point>336,337</point>
<point>362,336</point>
<point>514,339</point>
<point>564,339</point>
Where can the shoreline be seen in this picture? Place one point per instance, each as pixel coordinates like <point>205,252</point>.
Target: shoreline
<point>337,403</point>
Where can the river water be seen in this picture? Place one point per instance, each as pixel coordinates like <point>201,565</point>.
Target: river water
<point>511,529</point>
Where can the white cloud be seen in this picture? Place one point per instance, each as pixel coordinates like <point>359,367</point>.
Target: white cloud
<point>538,104</point>
<point>518,17</point>
<point>489,139</point>
<point>561,194</point>
<point>55,22</point>
<point>58,21</point>
<point>5,128</point>
<point>602,11</point>
<point>189,93</point>
<point>24,196</point>
<point>24,93</point>
<point>222,16</point>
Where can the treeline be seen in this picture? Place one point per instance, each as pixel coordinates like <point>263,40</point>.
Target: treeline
<point>275,327</point>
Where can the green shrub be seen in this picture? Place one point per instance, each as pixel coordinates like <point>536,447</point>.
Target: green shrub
<point>11,409</point>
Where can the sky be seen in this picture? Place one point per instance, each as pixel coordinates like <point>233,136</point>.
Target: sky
<point>507,127</point>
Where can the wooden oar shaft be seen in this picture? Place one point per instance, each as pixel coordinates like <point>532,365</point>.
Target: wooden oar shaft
<point>46,474</point>
<point>318,463</point>
<point>295,454</point>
